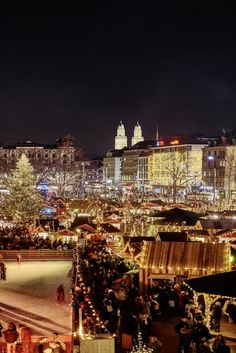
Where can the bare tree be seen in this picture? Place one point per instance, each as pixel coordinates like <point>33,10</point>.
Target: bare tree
<point>178,170</point>
<point>64,177</point>
<point>230,171</point>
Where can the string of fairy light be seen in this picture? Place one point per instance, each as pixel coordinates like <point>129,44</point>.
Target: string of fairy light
<point>89,310</point>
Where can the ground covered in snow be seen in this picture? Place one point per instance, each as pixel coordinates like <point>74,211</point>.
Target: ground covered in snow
<point>28,296</point>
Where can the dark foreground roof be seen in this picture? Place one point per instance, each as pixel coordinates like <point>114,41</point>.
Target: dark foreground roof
<point>177,215</point>
<point>173,236</point>
<point>219,284</point>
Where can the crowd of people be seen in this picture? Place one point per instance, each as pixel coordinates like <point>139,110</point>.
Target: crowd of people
<point>18,339</point>
<point>194,335</point>
<point>114,289</point>
<point>22,237</point>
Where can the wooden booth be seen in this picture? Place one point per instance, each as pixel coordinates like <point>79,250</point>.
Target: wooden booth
<point>165,260</point>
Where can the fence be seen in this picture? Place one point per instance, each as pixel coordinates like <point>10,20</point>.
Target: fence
<point>37,255</point>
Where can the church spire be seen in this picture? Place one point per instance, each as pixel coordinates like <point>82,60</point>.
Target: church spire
<point>138,137</point>
<point>121,138</point>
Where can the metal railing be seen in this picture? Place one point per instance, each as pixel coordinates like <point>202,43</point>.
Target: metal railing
<point>37,255</point>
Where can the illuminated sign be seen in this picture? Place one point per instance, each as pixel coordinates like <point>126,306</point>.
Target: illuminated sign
<point>174,142</point>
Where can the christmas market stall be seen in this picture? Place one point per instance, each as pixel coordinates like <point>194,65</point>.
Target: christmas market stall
<point>166,260</point>
<point>213,288</point>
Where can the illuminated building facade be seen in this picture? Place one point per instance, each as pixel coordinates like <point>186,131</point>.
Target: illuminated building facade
<point>62,153</point>
<point>175,164</point>
<point>134,163</point>
<point>112,167</point>
<point>219,170</point>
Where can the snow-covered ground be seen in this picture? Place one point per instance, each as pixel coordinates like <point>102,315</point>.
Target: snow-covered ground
<point>28,296</point>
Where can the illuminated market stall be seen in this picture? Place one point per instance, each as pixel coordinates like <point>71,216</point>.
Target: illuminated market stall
<point>166,260</point>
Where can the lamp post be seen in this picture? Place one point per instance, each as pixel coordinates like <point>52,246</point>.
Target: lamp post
<point>212,158</point>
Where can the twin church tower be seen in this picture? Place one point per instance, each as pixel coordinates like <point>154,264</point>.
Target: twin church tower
<point>121,138</point>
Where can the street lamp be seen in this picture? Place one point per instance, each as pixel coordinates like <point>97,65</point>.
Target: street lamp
<point>212,158</point>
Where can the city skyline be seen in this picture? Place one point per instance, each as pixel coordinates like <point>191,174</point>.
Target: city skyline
<point>84,69</point>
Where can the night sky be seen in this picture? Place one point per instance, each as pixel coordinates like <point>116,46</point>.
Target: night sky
<point>81,70</point>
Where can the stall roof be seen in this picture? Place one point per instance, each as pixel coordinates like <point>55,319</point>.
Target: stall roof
<point>173,236</point>
<point>218,284</point>
<point>194,258</point>
<point>177,215</point>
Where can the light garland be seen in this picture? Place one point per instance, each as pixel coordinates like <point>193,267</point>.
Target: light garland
<point>140,347</point>
<point>93,315</point>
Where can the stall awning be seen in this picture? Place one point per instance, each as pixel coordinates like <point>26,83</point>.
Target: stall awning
<point>219,284</point>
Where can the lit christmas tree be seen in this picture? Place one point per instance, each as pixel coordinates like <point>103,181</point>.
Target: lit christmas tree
<point>140,347</point>
<point>24,202</point>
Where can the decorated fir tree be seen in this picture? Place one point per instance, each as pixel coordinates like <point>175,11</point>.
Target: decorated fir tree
<point>24,202</point>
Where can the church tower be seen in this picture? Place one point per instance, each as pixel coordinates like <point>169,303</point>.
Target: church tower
<point>137,134</point>
<point>120,139</point>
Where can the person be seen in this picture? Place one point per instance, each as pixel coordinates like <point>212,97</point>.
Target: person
<point>18,258</point>
<point>200,332</point>
<point>11,336</point>
<point>219,345</point>
<point>60,293</point>
<point>3,271</point>
<point>56,345</point>
<point>217,342</point>
<point>217,315</point>
<point>25,337</point>
<point>154,344</point>
<point>183,331</point>
<point>205,346</point>
<point>1,328</point>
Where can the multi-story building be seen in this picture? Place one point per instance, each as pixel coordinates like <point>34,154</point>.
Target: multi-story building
<point>175,166</point>
<point>134,167</point>
<point>142,179</point>
<point>62,153</point>
<point>219,170</point>
<point>112,167</point>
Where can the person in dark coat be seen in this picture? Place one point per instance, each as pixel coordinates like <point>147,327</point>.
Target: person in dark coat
<point>183,331</point>
<point>219,345</point>
<point>61,294</point>
<point>200,332</point>
<point>217,315</point>
<point>11,336</point>
<point>3,271</point>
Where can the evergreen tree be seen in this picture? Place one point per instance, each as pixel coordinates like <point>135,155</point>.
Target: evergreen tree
<point>24,202</point>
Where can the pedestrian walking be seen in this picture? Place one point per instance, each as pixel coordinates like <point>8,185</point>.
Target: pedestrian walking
<point>61,293</point>
<point>3,270</point>
<point>18,258</point>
